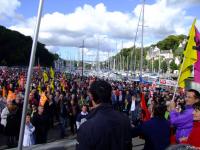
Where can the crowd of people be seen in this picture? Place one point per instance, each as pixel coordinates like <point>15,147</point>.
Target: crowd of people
<point>104,114</point>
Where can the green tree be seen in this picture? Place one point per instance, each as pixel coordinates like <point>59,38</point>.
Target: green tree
<point>15,49</point>
<point>171,42</point>
<point>88,66</point>
<point>164,66</point>
<point>149,65</point>
<point>156,65</point>
<point>173,66</point>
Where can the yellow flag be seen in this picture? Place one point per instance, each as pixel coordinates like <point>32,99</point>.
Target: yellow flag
<point>52,73</point>
<point>190,55</point>
<point>52,86</point>
<point>39,88</point>
<point>45,76</point>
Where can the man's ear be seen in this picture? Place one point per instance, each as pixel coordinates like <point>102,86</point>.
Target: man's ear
<point>92,99</point>
<point>93,103</point>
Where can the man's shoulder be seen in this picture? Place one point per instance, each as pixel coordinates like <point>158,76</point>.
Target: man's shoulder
<point>101,119</point>
<point>156,122</point>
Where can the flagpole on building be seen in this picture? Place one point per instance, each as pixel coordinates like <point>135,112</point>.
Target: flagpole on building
<point>30,71</point>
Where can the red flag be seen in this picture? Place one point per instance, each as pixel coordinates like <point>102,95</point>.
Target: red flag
<point>146,113</point>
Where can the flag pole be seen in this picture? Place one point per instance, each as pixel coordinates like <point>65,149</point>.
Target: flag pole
<point>179,75</point>
<point>30,71</point>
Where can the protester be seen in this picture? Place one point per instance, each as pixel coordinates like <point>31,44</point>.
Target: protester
<point>105,128</point>
<point>194,136</point>
<point>2,106</point>
<point>2,103</point>
<point>156,131</point>
<point>81,118</point>
<point>40,121</point>
<point>136,111</point>
<point>73,113</point>
<point>29,138</point>
<point>52,110</point>
<point>183,121</point>
<point>5,113</point>
<point>12,126</point>
<point>63,114</point>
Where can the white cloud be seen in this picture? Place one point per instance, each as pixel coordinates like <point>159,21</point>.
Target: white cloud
<point>84,23</point>
<point>93,23</point>
<point>8,8</point>
<point>92,55</point>
<point>162,20</point>
<point>182,3</point>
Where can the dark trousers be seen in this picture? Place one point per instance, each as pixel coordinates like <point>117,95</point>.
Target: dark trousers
<point>63,124</point>
<point>72,121</point>
<point>12,141</point>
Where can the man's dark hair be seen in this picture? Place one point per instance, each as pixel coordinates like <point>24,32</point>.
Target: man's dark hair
<point>28,114</point>
<point>101,91</point>
<point>159,110</point>
<point>196,93</point>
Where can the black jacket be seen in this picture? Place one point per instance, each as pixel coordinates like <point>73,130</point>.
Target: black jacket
<point>105,129</point>
<point>41,124</point>
<point>156,133</point>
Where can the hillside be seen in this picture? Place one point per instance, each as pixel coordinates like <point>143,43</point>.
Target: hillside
<point>171,42</point>
<point>15,49</point>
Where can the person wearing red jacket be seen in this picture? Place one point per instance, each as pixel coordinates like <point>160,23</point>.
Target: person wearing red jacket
<point>194,136</point>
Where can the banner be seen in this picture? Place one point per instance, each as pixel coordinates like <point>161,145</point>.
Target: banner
<point>167,82</point>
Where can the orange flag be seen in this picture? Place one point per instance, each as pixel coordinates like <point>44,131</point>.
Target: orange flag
<point>11,96</point>
<point>43,99</point>
<point>4,92</point>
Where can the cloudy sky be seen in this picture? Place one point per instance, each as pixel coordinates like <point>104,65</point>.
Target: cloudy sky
<point>107,25</point>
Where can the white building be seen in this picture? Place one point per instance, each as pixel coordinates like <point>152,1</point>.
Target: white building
<point>166,54</point>
<point>155,53</point>
<point>177,61</point>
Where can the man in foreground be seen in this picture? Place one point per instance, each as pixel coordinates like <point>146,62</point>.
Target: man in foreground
<point>105,128</point>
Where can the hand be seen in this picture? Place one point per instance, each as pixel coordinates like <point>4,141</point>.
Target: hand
<point>172,105</point>
<point>183,139</point>
<point>132,125</point>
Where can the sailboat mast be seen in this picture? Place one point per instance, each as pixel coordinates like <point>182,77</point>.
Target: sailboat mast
<point>142,46</point>
<point>134,47</point>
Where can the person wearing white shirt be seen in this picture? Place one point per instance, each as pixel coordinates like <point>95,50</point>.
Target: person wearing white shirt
<point>81,118</point>
<point>28,133</point>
